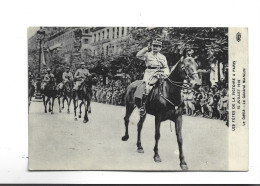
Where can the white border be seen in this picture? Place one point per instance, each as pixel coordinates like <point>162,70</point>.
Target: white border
<point>17,15</point>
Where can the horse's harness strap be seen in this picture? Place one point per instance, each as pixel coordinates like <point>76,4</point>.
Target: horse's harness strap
<point>176,84</point>
<point>166,99</point>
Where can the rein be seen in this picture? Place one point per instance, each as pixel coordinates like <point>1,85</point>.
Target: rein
<point>176,83</point>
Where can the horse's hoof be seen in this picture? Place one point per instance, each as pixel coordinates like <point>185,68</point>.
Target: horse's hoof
<point>79,116</point>
<point>52,112</point>
<point>76,119</point>
<point>125,138</point>
<point>62,108</point>
<point>85,120</point>
<point>157,159</point>
<point>89,111</point>
<point>68,112</point>
<point>184,167</point>
<point>45,111</point>
<point>140,150</point>
<point>59,111</point>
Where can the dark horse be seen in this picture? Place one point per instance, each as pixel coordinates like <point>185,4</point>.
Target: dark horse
<point>49,90</point>
<point>84,94</point>
<point>66,93</point>
<point>164,102</point>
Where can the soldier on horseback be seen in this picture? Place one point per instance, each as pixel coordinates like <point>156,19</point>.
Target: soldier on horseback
<point>49,78</point>
<point>67,77</point>
<point>80,76</point>
<point>155,61</point>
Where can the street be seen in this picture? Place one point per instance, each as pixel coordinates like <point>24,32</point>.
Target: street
<point>57,142</point>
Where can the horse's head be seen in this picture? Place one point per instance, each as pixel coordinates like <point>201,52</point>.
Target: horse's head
<point>190,67</point>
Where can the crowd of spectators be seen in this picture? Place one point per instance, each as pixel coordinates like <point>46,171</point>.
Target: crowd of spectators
<point>206,102</point>
<point>111,93</point>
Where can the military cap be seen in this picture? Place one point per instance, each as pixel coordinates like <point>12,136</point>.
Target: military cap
<point>157,41</point>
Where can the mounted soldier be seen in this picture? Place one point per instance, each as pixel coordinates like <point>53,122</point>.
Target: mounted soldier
<point>155,62</point>
<point>80,76</point>
<point>48,79</point>
<point>67,77</point>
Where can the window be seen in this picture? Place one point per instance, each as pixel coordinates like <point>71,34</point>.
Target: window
<point>107,51</point>
<point>117,32</point>
<point>103,34</point>
<point>127,30</point>
<point>95,37</point>
<point>113,33</point>
<point>85,41</point>
<point>107,33</point>
<point>98,36</point>
<point>123,28</point>
<point>113,50</point>
<point>86,31</point>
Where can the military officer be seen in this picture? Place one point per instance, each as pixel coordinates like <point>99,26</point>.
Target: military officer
<point>48,76</point>
<point>154,61</point>
<point>66,77</point>
<point>80,75</point>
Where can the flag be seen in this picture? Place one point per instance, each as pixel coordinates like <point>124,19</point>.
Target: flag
<point>43,58</point>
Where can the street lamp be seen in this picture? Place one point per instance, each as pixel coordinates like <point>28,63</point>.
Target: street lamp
<point>40,37</point>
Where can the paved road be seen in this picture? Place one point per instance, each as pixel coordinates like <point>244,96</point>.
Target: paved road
<point>58,142</point>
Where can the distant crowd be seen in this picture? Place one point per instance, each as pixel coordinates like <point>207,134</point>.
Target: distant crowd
<point>111,93</point>
<point>206,102</point>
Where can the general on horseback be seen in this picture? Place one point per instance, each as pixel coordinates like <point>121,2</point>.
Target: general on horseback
<point>82,91</point>
<point>159,94</point>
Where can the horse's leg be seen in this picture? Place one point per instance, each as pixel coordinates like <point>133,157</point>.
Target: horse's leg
<point>49,100</point>
<point>63,99</point>
<point>69,101</point>
<point>80,105</point>
<point>52,104</point>
<point>59,103</point>
<point>129,110</point>
<point>88,104</point>
<point>75,101</point>
<point>178,127</point>
<point>86,111</point>
<point>157,137</point>
<point>139,129</point>
<point>44,103</point>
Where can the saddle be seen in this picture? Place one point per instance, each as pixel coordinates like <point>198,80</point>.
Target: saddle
<point>140,90</point>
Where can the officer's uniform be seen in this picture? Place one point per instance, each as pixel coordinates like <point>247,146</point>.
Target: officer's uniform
<point>153,63</point>
<point>80,75</point>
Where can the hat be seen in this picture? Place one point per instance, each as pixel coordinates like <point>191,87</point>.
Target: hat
<point>67,67</point>
<point>82,63</point>
<point>48,69</point>
<point>157,41</point>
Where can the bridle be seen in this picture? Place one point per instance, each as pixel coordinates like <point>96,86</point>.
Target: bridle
<point>188,75</point>
<point>178,84</point>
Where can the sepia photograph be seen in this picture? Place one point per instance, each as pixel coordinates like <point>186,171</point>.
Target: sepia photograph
<point>129,98</point>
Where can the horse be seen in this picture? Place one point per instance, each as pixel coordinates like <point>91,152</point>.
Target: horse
<point>65,91</point>
<point>164,102</point>
<point>84,94</point>
<point>49,90</point>
<point>31,90</point>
